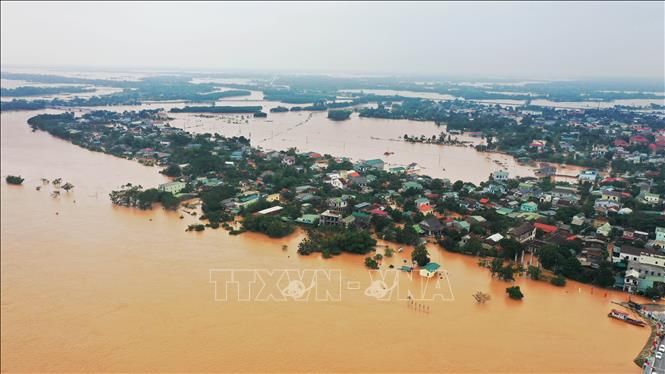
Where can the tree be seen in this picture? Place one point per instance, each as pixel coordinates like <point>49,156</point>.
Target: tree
<point>420,255</point>
<point>558,281</point>
<point>510,247</point>
<point>515,293</point>
<point>604,275</point>
<point>506,273</point>
<point>534,272</point>
<point>656,292</point>
<point>496,266</point>
<point>474,246</point>
<point>14,179</point>
<point>172,170</point>
<point>371,263</point>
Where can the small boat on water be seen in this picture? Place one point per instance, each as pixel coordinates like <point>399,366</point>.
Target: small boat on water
<point>625,317</point>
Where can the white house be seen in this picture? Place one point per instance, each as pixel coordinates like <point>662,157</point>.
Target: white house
<point>429,270</point>
<point>587,176</point>
<point>660,234</point>
<point>651,198</point>
<point>172,187</point>
<point>500,175</point>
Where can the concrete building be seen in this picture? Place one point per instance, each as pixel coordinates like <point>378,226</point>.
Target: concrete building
<point>172,187</point>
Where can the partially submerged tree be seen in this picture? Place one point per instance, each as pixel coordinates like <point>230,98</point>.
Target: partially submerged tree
<point>14,179</point>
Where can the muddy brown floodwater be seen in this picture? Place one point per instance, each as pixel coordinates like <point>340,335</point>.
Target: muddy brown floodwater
<point>91,287</point>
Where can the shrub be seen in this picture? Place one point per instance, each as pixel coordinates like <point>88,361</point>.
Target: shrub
<point>515,293</point>
<point>14,179</point>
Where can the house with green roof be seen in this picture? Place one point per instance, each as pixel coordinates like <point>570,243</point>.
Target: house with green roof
<point>308,219</point>
<point>397,170</point>
<point>412,185</point>
<point>529,207</point>
<point>503,211</point>
<point>429,270</point>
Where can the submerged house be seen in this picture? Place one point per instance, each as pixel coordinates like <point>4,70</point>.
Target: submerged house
<point>429,270</point>
<point>431,226</point>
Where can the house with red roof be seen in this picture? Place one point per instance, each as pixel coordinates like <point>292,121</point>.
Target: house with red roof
<point>425,209</point>
<point>620,143</point>
<point>378,212</point>
<point>638,139</point>
<point>548,229</point>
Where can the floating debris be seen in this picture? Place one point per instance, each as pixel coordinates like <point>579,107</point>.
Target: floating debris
<point>481,298</point>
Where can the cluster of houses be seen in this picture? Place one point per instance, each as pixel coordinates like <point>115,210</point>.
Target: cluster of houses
<point>353,198</point>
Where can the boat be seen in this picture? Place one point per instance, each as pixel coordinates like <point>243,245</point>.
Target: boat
<point>625,317</point>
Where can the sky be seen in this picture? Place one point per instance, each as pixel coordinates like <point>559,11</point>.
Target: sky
<point>479,39</point>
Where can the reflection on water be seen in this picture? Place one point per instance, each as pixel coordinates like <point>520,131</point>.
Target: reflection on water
<point>91,287</point>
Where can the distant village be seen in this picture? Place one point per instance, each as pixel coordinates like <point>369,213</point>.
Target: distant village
<point>604,226</point>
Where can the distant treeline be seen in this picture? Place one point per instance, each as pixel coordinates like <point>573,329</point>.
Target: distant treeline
<point>161,88</point>
<point>218,109</point>
<point>40,91</point>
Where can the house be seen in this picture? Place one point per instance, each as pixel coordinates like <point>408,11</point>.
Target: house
<point>431,226</point>
<point>172,187</point>
<point>495,189</point>
<point>631,281</point>
<point>329,218</point>
<point>412,185</point>
<point>646,269</point>
<point>425,209</point>
<point>587,176</point>
<point>503,211</point>
<point>547,229</point>
<point>429,270</point>
<point>273,197</point>
<point>360,220</point>
<point>374,164</point>
<point>248,198</point>
<point>563,192</point>
<point>529,207</point>
<point>523,232</point>
<point>660,234</point>
<point>358,180</point>
<point>651,198</point>
<point>397,170</point>
<point>578,220</point>
<point>461,225</point>
<point>610,195</point>
<point>268,211</point>
<point>638,139</point>
<point>476,220</point>
<point>494,238</point>
<point>236,155</point>
<point>308,219</point>
<point>604,230</point>
<point>500,175</point>
<point>378,212</point>
<point>337,204</point>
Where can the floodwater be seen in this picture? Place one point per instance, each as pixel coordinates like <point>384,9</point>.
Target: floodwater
<point>356,138</point>
<point>91,287</point>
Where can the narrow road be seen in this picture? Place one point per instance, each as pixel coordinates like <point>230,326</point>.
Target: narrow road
<point>658,364</point>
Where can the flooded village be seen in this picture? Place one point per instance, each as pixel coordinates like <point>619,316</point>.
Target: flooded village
<point>573,209</point>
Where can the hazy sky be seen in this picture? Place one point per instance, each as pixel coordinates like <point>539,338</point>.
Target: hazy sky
<point>539,40</point>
